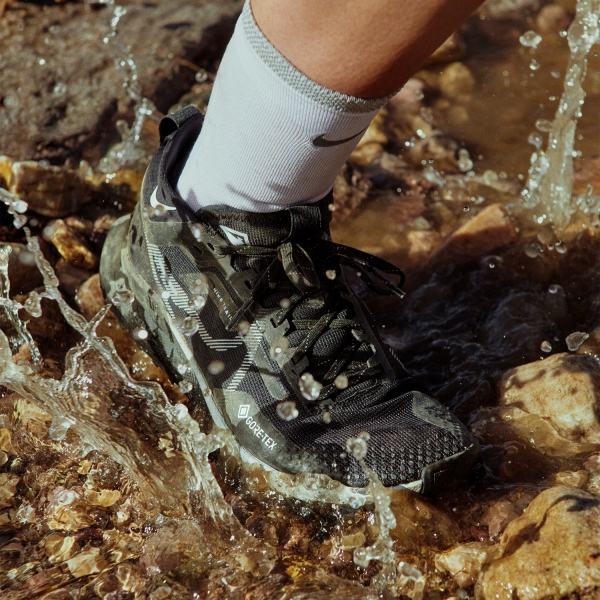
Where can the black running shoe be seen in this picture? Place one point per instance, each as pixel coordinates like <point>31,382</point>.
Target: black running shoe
<point>252,315</point>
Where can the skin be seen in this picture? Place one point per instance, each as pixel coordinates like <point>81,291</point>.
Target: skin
<point>363,48</point>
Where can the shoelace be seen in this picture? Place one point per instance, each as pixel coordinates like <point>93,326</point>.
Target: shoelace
<point>296,263</point>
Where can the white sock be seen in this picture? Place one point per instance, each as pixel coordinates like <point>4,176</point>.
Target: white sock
<point>264,142</point>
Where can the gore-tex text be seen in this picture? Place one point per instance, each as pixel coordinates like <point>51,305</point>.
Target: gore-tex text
<point>258,431</point>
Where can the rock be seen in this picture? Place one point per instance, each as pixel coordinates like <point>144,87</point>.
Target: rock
<point>488,230</point>
<point>551,551</point>
<point>60,548</point>
<point>103,497</point>
<point>463,562</point>
<point>87,562</point>
<point>69,92</point>
<point>452,49</point>
<point>70,245</point>
<point>350,190</point>
<point>371,144</point>
<point>563,389</point>
<point>70,276</point>
<point>586,171</point>
<point>411,93</point>
<point>552,19</point>
<point>49,191</point>
<point>440,148</point>
<point>8,488</point>
<point>90,298</point>
<point>457,82</point>
<point>509,9</point>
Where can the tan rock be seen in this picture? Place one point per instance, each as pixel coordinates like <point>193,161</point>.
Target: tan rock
<point>457,82</point>
<point>552,19</point>
<point>562,389</point>
<point>8,488</point>
<point>49,191</point>
<point>90,298</point>
<point>499,515</point>
<point>103,497</point>
<point>489,229</point>
<point>551,551</point>
<point>70,245</point>
<point>87,562</point>
<point>60,548</point>
<point>463,562</point>
<point>6,441</point>
<point>452,49</point>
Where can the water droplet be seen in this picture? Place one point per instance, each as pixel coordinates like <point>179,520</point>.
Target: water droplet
<point>26,514</point>
<point>546,347</point>
<point>159,211</point>
<point>140,334</point>
<point>285,303</point>
<point>201,76</point>
<point>533,250</point>
<point>197,302</point>
<point>183,367</point>
<point>554,288</point>
<point>185,387</point>
<point>327,417</point>
<point>309,388</point>
<point>287,410</point>
<point>464,160</point>
<point>535,139</point>
<point>341,382</point>
<point>33,305</point>
<point>357,447</point>
<point>243,327</point>
<point>279,347</point>
<point>216,367</point>
<point>331,274</point>
<point>59,427</point>
<point>466,209</point>
<point>165,295</point>
<point>188,326</point>
<point>123,297</point>
<point>530,39</point>
<point>574,340</point>
<point>331,207</point>
<point>534,65</point>
<point>543,125</point>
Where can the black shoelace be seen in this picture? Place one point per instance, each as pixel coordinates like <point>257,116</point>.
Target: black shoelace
<point>304,280</point>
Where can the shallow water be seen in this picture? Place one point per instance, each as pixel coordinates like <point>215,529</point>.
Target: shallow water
<point>109,489</point>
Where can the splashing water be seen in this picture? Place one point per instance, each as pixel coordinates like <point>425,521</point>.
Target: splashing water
<point>550,182</point>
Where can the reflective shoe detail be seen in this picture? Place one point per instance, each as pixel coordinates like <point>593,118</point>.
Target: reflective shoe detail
<point>253,312</point>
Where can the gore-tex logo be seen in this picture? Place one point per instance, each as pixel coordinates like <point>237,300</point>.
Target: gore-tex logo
<point>243,411</point>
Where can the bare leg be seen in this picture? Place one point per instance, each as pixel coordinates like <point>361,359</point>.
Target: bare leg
<point>363,48</point>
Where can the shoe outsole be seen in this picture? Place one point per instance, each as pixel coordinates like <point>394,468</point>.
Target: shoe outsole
<point>436,477</point>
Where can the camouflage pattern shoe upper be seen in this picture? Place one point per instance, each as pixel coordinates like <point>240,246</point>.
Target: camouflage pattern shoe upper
<point>252,313</point>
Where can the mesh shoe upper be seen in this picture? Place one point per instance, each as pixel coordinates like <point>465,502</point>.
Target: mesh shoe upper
<point>255,302</point>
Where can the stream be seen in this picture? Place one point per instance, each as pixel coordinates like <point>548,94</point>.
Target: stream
<point>481,180</point>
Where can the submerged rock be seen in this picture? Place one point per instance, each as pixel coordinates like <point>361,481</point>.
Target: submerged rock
<point>563,389</point>
<point>463,562</point>
<point>551,551</point>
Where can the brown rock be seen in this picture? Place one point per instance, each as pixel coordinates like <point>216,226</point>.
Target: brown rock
<point>463,562</point>
<point>563,389</point>
<point>90,298</point>
<point>457,82</point>
<point>552,19</point>
<point>586,171</point>
<point>488,230</point>
<point>49,191</point>
<point>23,273</point>
<point>440,148</point>
<point>452,49</point>
<point>551,551</point>
<point>508,9</point>
<point>70,245</point>
<point>69,92</point>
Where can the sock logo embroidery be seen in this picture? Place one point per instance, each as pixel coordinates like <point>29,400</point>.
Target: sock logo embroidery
<point>236,238</point>
<point>323,143</point>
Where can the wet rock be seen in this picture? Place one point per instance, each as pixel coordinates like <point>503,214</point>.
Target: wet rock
<point>552,19</point>
<point>198,97</point>
<point>549,552</point>
<point>8,488</point>
<point>488,230</point>
<point>70,276</point>
<point>563,389</point>
<point>509,9</point>
<point>49,191</point>
<point>438,147</point>
<point>453,48</point>
<point>457,82</point>
<point>463,562</point>
<point>70,245</point>
<point>350,190</point>
<point>90,298</point>
<point>71,94</point>
<point>60,548</point>
<point>498,516</point>
<point>87,562</point>
<point>586,171</point>
<point>371,144</point>
<point>23,273</point>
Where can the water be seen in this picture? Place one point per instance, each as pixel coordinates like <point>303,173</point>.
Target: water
<point>138,498</point>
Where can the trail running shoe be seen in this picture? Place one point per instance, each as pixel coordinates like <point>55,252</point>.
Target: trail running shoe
<point>252,315</point>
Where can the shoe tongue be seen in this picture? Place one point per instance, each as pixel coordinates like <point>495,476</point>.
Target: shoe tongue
<point>242,228</point>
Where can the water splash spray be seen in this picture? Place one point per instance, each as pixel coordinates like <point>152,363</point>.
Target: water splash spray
<point>550,181</point>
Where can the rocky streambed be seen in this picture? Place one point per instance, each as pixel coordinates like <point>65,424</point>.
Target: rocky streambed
<point>109,490</point>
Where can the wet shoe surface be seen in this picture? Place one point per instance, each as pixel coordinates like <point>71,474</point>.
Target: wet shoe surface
<point>252,315</point>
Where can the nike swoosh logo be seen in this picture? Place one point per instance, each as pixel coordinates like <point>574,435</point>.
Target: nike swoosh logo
<point>323,143</point>
<point>154,203</point>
